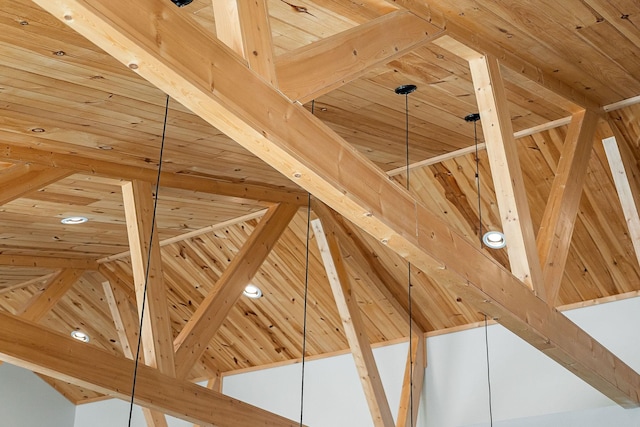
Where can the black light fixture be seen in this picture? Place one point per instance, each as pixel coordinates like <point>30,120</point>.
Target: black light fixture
<point>182,3</point>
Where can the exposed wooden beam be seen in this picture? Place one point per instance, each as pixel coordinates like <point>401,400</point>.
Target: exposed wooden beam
<point>146,262</point>
<point>244,27</point>
<point>554,235</point>
<point>413,383</point>
<point>200,73</point>
<point>47,262</point>
<point>502,153</point>
<point>64,358</point>
<point>322,66</point>
<point>18,180</point>
<point>626,177</point>
<point>215,384</point>
<point>366,264</point>
<point>40,304</point>
<point>22,285</point>
<point>353,325</point>
<point>194,337</point>
<point>239,191</point>
<point>423,10</point>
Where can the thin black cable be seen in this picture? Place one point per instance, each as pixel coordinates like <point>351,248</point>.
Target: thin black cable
<point>486,342</point>
<point>146,277</point>
<point>406,138</point>
<point>475,138</point>
<point>306,293</point>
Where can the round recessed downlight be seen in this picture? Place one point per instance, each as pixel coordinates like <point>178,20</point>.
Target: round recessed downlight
<point>74,220</point>
<point>252,291</point>
<point>80,336</point>
<point>494,240</point>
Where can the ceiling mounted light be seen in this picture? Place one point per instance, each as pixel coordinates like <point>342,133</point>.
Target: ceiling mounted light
<point>494,240</point>
<point>252,291</point>
<point>80,336</point>
<point>72,220</point>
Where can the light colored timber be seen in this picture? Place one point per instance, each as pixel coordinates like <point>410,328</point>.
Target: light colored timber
<point>190,234</point>
<point>554,235</point>
<point>194,337</point>
<point>66,359</point>
<point>215,384</point>
<point>502,153</point>
<point>622,104</point>
<point>146,263</point>
<point>26,283</point>
<point>320,67</point>
<point>613,16</point>
<point>227,20</point>
<point>40,304</point>
<point>625,177</point>
<point>411,393</point>
<point>278,132</point>
<point>366,265</point>
<point>353,325</point>
<point>125,321</point>
<point>47,262</point>
<point>19,180</point>
<point>240,191</point>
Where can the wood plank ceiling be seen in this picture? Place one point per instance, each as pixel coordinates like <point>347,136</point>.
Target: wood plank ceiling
<point>69,107</point>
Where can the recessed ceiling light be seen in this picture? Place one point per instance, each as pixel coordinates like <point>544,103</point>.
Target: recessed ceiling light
<point>74,220</point>
<point>494,240</point>
<point>80,336</point>
<point>252,291</point>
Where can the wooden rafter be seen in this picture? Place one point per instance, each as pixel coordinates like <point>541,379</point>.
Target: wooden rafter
<point>48,262</point>
<point>556,229</point>
<point>239,191</point>
<point>146,263</point>
<point>278,132</point>
<point>244,27</point>
<point>194,337</point>
<point>353,325</point>
<point>40,304</point>
<point>413,383</point>
<point>318,68</point>
<point>22,179</point>
<point>502,152</point>
<point>64,358</point>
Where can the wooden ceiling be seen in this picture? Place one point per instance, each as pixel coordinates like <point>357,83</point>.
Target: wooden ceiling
<point>76,125</point>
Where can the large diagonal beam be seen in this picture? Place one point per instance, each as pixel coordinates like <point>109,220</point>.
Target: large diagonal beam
<point>77,163</point>
<point>32,347</point>
<point>56,288</point>
<point>554,235</point>
<point>200,73</point>
<point>322,66</point>
<point>18,180</point>
<point>353,325</point>
<point>192,341</point>
<point>146,262</point>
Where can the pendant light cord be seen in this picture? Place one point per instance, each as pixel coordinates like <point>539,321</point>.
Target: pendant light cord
<point>411,367</point>
<point>486,342</point>
<point>146,277</point>
<point>475,138</point>
<point>306,294</point>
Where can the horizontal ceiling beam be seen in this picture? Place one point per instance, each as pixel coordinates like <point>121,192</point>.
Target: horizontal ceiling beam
<point>201,73</point>
<point>112,169</point>
<point>29,346</point>
<point>8,260</point>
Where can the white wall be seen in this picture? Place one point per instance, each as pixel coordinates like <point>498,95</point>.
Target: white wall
<point>27,401</point>
<point>528,389</point>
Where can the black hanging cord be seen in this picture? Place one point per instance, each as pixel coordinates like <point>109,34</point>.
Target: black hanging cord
<point>306,293</point>
<point>474,118</point>
<point>406,90</point>
<point>146,277</point>
<point>486,342</point>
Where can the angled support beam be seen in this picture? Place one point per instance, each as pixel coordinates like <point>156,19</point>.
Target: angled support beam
<point>353,325</point>
<point>40,304</point>
<point>76,163</point>
<point>157,337</point>
<point>18,180</point>
<point>66,359</point>
<point>200,73</point>
<point>48,262</point>
<point>626,177</point>
<point>502,152</point>
<point>413,383</point>
<point>325,65</point>
<point>244,27</point>
<point>365,263</point>
<point>194,337</point>
<point>558,220</point>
